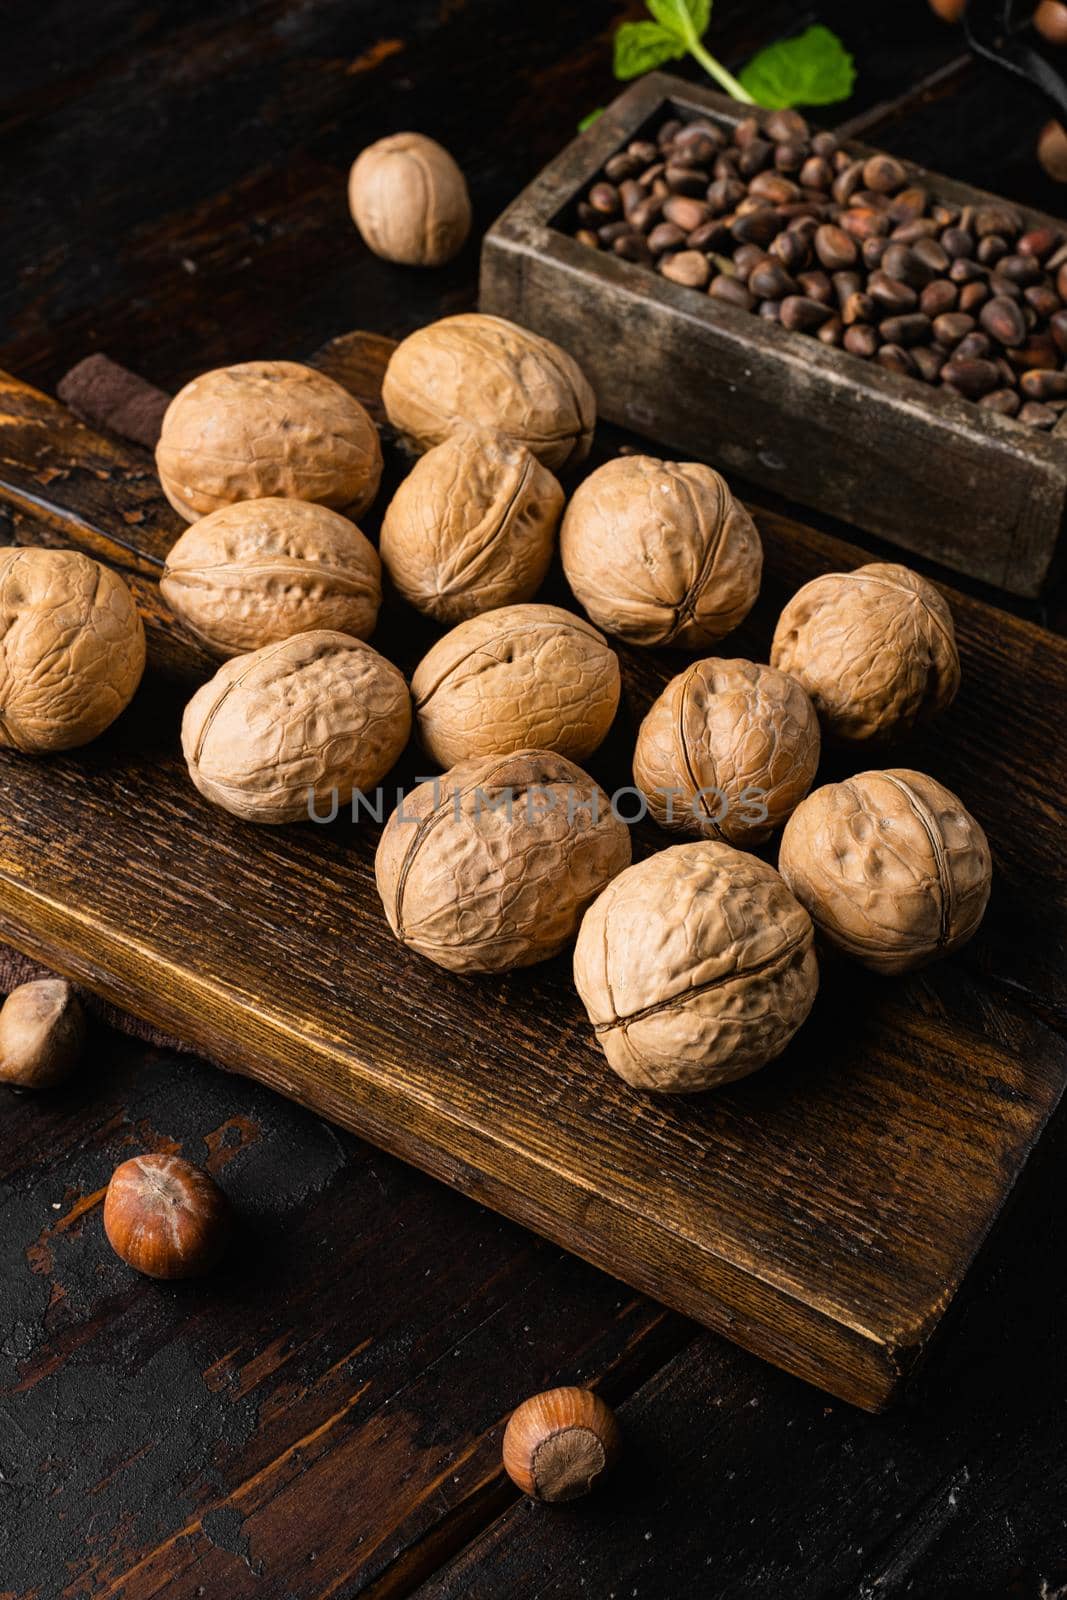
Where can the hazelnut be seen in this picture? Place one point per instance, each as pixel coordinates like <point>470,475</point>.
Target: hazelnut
<point>492,866</point>
<point>890,867</point>
<point>696,967</point>
<point>165,1217</point>
<point>660,552</point>
<point>471,527</point>
<point>42,1034</point>
<point>524,677</point>
<point>875,648</point>
<point>558,1445</point>
<point>259,571</point>
<point>300,723</point>
<point>409,200</point>
<point>266,428</point>
<point>727,751</point>
<point>72,649</point>
<point>486,372</point>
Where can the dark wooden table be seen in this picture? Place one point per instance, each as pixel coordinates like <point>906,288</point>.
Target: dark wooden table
<point>324,1417</point>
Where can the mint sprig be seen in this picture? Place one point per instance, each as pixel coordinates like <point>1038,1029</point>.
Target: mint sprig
<point>813,69</point>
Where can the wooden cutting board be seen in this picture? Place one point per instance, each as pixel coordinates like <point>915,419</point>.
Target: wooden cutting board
<point>821,1213</point>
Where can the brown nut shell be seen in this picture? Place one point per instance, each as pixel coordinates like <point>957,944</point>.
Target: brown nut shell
<point>660,552</point>
<point>696,967</point>
<point>165,1217</point>
<point>728,751</point>
<point>259,571</point>
<point>558,1445</point>
<point>493,865</point>
<point>890,866</point>
<point>409,200</point>
<point>262,429</point>
<point>72,649</point>
<point>522,678</point>
<point>300,723</point>
<point>875,649</point>
<point>42,1034</point>
<point>472,527</point>
<point>484,372</point>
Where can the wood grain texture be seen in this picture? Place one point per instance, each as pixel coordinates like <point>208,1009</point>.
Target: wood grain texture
<point>326,1407</point>
<point>979,493</point>
<point>822,1213</point>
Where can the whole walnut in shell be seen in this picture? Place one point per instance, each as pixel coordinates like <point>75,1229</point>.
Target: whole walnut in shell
<point>660,552</point>
<point>266,428</point>
<point>486,372</point>
<point>727,751</point>
<point>492,865</point>
<point>891,868</point>
<point>72,649</point>
<point>296,725</point>
<point>409,200</point>
<point>521,678</point>
<point>259,571</point>
<point>875,648</point>
<point>471,527</point>
<point>696,967</point>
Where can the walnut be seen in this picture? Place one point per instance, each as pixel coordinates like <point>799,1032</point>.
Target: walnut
<point>72,649</point>
<point>524,677</point>
<point>296,725</point>
<point>696,967</point>
<point>409,200</point>
<point>875,649</point>
<point>891,868</point>
<point>728,750</point>
<point>472,526</point>
<point>267,428</point>
<point>488,373</point>
<point>660,552</point>
<point>259,571</point>
<point>492,865</point>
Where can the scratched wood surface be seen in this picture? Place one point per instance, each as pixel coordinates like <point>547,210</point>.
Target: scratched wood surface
<point>246,1459</point>
<point>762,1210</point>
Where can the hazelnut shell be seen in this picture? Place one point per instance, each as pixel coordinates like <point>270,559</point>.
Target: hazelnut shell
<point>695,967</point>
<point>320,712</point>
<point>42,1034</point>
<point>72,649</point>
<point>492,866</point>
<point>523,677</point>
<point>743,730</point>
<point>660,552</point>
<point>481,371</point>
<point>259,571</point>
<point>165,1217</point>
<point>874,648</point>
<point>409,200</point>
<point>472,527</point>
<point>262,429</point>
<point>558,1445</point>
<point>890,866</point>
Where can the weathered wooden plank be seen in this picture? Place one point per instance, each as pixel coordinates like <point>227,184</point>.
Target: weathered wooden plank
<point>738,1482</point>
<point>979,493</point>
<point>211,1435</point>
<point>763,1210</point>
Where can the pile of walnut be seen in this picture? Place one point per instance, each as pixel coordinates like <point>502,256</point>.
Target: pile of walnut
<point>696,965</point>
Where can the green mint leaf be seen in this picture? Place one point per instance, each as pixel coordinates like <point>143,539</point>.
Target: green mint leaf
<point>813,69</point>
<point>590,117</point>
<point>681,16</point>
<point>643,46</point>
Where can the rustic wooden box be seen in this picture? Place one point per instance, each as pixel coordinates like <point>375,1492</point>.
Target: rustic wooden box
<point>980,493</point>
